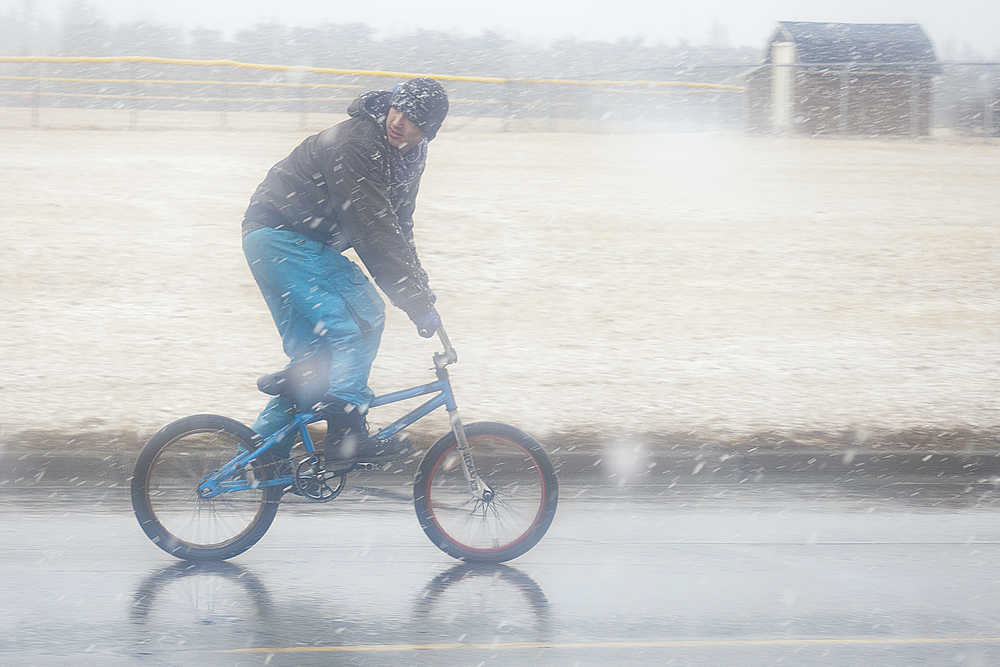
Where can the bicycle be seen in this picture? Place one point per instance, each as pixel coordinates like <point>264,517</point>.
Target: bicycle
<point>207,487</point>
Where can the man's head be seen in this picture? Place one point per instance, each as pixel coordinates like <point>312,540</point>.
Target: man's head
<point>423,103</point>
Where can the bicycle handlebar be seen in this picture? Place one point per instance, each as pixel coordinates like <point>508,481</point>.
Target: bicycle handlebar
<point>450,356</point>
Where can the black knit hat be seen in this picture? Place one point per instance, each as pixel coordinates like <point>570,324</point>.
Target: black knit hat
<point>424,102</point>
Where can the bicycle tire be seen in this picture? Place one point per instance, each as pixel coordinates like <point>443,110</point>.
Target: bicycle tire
<point>506,469</point>
<point>259,505</point>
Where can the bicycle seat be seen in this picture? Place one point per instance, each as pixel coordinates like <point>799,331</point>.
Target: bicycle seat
<point>304,380</point>
<point>275,384</point>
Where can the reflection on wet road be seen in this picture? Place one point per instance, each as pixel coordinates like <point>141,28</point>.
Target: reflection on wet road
<point>706,575</point>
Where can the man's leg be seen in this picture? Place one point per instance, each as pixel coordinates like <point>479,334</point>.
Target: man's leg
<point>277,413</point>
<point>264,248</point>
<point>319,298</point>
<point>324,298</point>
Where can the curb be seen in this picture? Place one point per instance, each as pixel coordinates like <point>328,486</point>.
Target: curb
<point>33,458</point>
<point>787,467</point>
<point>716,467</point>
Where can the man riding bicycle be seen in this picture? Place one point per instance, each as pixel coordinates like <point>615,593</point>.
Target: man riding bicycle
<point>351,185</point>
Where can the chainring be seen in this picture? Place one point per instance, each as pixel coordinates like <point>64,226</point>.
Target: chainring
<point>312,480</point>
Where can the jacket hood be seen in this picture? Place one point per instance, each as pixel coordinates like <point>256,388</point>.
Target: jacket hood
<point>373,104</point>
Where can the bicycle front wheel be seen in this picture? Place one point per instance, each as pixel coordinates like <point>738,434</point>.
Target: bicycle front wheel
<point>165,490</point>
<point>501,524</point>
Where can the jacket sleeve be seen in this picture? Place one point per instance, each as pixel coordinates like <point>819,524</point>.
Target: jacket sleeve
<point>405,217</point>
<point>358,180</point>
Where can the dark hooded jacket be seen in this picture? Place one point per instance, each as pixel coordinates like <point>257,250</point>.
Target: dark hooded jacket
<point>348,187</point>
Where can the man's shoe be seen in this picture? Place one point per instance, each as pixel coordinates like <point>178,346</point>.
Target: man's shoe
<point>374,450</point>
<point>348,441</point>
<point>353,447</point>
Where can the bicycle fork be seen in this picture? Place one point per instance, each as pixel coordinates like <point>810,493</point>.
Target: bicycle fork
<point>477,487</point>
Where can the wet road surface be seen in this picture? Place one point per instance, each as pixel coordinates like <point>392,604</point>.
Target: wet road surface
<point>904,573</point>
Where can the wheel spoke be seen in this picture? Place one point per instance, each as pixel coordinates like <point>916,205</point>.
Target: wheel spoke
<point>479,525</point>
<point>181,465</point>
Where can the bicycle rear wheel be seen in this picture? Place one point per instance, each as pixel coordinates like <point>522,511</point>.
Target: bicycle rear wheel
<point>503,525</point>
<point>165,490</point>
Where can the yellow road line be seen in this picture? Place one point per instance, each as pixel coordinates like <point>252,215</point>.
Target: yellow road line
<point>679,643</point>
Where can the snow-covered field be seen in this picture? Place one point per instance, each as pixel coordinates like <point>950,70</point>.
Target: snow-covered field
<point>639,282</point>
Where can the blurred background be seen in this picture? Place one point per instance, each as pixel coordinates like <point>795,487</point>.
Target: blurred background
<point>673,71</point>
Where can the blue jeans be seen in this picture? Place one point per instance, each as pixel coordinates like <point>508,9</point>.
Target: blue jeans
<point>317,297</point>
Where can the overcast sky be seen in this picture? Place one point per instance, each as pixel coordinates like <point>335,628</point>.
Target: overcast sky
<point>950,24</point>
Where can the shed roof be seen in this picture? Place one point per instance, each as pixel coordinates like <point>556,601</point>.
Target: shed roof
<point>856,42</point>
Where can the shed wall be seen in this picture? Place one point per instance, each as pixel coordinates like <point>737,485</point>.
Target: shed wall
<point>828,103</point>
<point>874,103</point>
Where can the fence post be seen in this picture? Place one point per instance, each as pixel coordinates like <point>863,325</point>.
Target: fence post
<point>133,116</point>
<point>550,125</point>
<point>914,104</point>
<point>222,71</point>
<point>508,93</point>
<point>845,91</point>
<point>303,109</point>
<point>36,99</point>
<point>991,83</point>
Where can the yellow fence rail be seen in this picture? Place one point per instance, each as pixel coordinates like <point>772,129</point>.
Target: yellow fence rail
<point>143,84</point>
<point>179,98</point>
<point>368,73</point>
<point>175,98</point>
<point>182,82</point>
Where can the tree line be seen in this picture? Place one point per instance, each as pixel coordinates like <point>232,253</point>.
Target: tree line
<point>82,30</point>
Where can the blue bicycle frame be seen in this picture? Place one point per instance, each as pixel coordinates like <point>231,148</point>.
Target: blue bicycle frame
<point>225,479</point>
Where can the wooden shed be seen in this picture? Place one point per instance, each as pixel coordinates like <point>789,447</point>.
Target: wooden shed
<point>847,78</point>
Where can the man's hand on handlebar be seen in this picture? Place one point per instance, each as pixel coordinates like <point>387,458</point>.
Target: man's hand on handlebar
<point>427,322</point>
